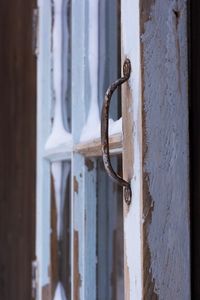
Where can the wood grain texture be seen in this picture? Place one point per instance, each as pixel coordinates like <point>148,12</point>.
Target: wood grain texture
<point>165,150</point>
<point>77,277</point>
<point>93,148</point>
<point>17,151</point>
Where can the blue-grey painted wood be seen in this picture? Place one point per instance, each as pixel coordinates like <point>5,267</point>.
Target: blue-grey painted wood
<point>166,148</point>
<point>43,130</point>
<point>90,229</point>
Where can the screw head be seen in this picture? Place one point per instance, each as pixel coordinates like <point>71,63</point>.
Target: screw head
<point>127,68</point>
<point>127,195</point>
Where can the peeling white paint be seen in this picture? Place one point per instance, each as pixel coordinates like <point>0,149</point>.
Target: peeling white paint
<point>130,11</point>
<point>59,137</point>
<point>91,129</point>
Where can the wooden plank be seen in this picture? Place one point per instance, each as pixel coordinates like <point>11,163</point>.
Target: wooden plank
<point>157,244</point>
<point>43,130</point>
<point>194,31</point>
<point>17,151</point>
<point>77,207</point>
<point>93,148</point>
<point>132,151</point>
<point>165,150</point>
<point>87,149</point>
<point>83,203</point>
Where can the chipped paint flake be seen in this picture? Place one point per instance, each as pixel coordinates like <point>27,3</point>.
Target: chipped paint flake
<point>89,164</point>
<point>76,186</point>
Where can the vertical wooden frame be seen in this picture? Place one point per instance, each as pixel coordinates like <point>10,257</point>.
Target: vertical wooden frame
<point>155,103</point>
<point>166,213</point>
<point>132,149</point>
<point>194,47</point>
<point>18,149</point>
<point>43,130</point>
<point>83,206</point>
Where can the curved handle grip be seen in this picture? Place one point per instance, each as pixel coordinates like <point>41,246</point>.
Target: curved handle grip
<point>104,131</point>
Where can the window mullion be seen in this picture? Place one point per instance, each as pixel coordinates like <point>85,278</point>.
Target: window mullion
<point>83,205</point>
<point>43,130</point>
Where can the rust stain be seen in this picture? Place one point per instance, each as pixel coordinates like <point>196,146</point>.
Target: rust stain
<point>89,164</point>
<point>46,292</point>
<point>77,276</point>
<point>76,187</point>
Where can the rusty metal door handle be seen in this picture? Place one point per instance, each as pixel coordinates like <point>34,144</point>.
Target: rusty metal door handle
<point>104,131</point>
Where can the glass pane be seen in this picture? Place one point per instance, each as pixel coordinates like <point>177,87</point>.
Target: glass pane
<point>109,52</point>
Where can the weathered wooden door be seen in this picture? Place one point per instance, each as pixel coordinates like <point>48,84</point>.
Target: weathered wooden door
<point>17,151</point>
<point>148,237</point>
